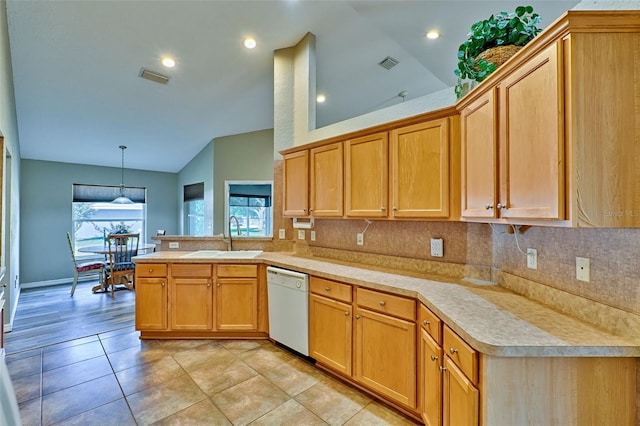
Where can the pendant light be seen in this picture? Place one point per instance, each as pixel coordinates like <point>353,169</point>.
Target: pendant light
<point>122,199</point>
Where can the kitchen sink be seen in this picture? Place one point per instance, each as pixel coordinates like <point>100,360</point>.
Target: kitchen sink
<point>222,254</point>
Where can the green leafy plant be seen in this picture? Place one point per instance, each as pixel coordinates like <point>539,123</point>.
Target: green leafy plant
<point>516,28</point>
<point>119,228</point>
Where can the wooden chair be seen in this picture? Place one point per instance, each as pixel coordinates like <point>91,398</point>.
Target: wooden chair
<point>120,269</point>
<point>87,268</point>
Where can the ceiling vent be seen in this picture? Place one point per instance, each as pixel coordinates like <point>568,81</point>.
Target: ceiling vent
<point>388,63</point>
<point>153,76</point>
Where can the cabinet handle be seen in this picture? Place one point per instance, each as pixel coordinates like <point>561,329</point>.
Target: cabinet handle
<point>394,208</point>
<point>502,206</point>
<point>218,284</point>
<point>453,350</point>
<point>488,206</point>
<point>162,284</point>
<point>327,289</point>
<point>442,369</point>
<point>208,284</point>
<point>150,270</point>
<point>434,358</point>
<point>425,322</point>
<point>346,313</point>
<point>357,316</point>
<point>382,209</point>
<point>382,303</point>
<point>310,210</point>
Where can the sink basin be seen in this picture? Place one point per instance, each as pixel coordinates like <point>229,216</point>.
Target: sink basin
<point>238,254</point>
<point>221,254</point>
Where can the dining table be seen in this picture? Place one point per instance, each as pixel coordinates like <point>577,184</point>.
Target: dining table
<point>104,250</point>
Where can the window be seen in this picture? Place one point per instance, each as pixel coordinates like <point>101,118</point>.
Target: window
<point>194,209</point>
<point>94,216</point>
<point>250,203</point>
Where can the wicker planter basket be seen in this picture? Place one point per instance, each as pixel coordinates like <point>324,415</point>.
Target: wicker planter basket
<point>499,54</point>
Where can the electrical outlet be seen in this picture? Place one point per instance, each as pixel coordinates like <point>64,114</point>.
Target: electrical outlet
<point>532,258</point>
<point>281,234</point>
<point>174,244</point>
<point>583,269</point>
<point>360,239</point>
<point>301,234</point>
<point>437,247</point>
<point>313,235</point>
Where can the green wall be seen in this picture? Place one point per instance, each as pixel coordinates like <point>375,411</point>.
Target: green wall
<point>248,156</point>
<point>46,211</point>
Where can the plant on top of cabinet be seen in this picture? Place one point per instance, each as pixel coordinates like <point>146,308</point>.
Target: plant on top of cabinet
<point>492,41</point>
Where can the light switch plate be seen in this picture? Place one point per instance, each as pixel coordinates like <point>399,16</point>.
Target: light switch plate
<point>313,235</point>
<point>301,234</point>
<point>583,269</point>
<point>174,244</point>
<point>359,239</point>
<point>437,247</point>
<point>281,234</point>
<point>532,258</point>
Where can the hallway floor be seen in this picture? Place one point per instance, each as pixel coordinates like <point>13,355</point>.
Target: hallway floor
<point>114,378</point>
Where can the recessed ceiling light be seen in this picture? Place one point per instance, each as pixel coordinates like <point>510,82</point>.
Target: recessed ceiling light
<point>433,34</point>
<point>321,98</point>
<point>168,62</point>
<point>249,43</point>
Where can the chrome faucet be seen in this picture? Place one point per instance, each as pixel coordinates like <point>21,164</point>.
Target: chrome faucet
<point>230,243</point>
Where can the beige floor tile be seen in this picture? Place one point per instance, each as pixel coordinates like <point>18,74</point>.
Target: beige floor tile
<point>220,376</point>
<point>376,414</point>
<point>22,367</point>
<point>239,346</point>
<point>31,412</point>
<point>202,413</point>
<point>290,379</point>
<point>27,387</point>
<point>158,402</point>
<point>333,402</point>
<point>202,356</point>
<point>262,359</point>
<point>71,355</point>
<point>74,374</point>
<point>115,413</point>
<point>249,400</point>
<point>144,376</point>
<point>291,413</point>
<point>127,358</point>
<point>77,399</point>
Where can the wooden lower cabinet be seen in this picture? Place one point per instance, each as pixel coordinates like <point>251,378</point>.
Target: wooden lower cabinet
<point>330,333</point>
<point>429,379</point>
<point>191,304</point>
<point>151,296</point>
<point>385,355</point>
<point>460,397</point>
<point>236,304</point>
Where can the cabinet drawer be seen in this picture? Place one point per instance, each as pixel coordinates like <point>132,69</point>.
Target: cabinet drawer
<point>151,270</point>
<point>463,355</point>
<point>430,322</point>
<point>332,289</point>
<point>191,270</point>
<point>387,303</point>
<point>248,271</point>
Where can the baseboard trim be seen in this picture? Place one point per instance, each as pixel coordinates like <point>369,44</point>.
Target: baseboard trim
<point>36,284</point>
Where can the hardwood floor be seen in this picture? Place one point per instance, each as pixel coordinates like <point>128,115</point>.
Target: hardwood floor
<point>49,315</point>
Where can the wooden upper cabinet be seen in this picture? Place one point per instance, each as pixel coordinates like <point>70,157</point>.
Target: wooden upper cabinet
<point>326,181</point>
<point>479,130</point>
<point>366,176</point>
<point>296,188</point>
<point>532,139</point>
<point>419,159</point>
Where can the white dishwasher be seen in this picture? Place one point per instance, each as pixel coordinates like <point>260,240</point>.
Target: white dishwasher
<point>288,294</point>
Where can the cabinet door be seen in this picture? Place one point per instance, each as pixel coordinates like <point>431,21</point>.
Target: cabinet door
<point>479,156</point>
<point>385,355</point>
<point>296,172</point>
<point>419,157</point>
<point>532,139</point>
<point>326,181</point>
<point>330,333</point>
<point>151,303</point>
<point>429,379</point>
<point>460,398</point>
<point>366,176</point>
<point>191,303</point>
<point>236,304</point>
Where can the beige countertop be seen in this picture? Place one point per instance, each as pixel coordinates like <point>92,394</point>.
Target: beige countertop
<point>492,319</point>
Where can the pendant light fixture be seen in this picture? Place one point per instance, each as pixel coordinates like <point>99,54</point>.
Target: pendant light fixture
<point>122,199</point>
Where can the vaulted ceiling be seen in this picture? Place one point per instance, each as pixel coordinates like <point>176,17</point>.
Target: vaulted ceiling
<point>76,66</point>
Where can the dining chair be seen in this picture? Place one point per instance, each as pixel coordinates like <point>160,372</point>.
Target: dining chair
<point>120,269</point>
<point>82,269</point>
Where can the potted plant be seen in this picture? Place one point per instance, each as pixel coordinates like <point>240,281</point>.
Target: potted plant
<point>492,41</point>
<point>120,228</point>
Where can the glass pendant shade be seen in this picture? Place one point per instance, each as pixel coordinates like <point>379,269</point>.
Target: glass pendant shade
<point>122,199</point>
